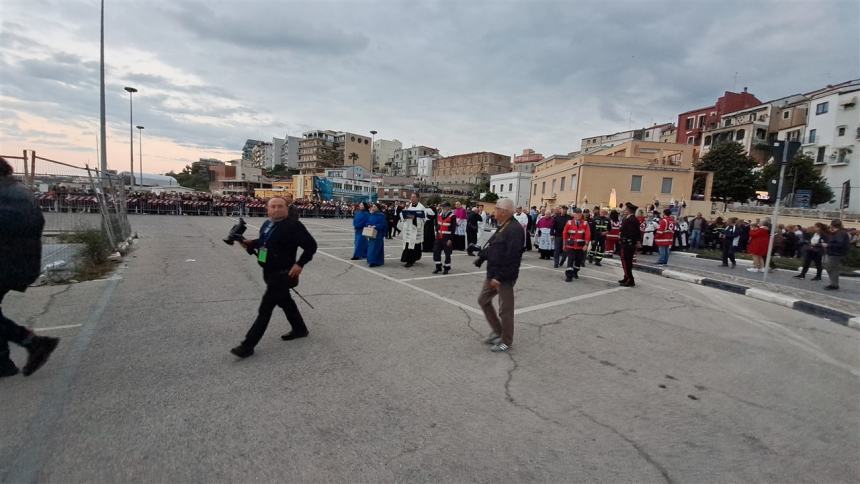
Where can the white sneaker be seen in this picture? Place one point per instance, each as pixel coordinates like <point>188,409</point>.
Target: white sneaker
<point>752,269</point>
<point>500,348</point>
<point>492,339</point>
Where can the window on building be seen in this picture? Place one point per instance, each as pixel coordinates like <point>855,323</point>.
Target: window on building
<point>636,183</point>
<point>701,123</point>
<point>493,189</point>
<point>786,114</point>
<point>647,134</point>
<point>667,186</point>
<point>819,158</point>
<point>561,185</point>
<point>840,131</point>
<point>534,190</point>
<point>689,124</point>
<point>553,186</point>
<point>510,187</point>
<point>821,108</point>
<point>761,133</point>
<point>707,140</point>
<point>543,188</point>
<point>690,140</point>
<point>739,136</point>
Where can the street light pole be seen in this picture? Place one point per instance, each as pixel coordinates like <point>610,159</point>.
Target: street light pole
<point>140,153</point>
<point>372,148</point>
<point>131,91</point>
<point>102,129</point>
<point>775,210</point>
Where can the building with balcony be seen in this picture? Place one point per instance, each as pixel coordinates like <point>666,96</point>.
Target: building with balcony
<point>323,149</point>
<point>383,153</point>
<point>236,177</point>
<point>405,160</point>
<point>691,124</point>
<point>748,127</point>
<point>249,147</point>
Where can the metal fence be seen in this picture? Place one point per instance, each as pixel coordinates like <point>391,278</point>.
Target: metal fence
<point>73,199</point>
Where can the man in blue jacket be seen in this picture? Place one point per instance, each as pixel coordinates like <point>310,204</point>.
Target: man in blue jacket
<point>503,253</point>
<point>21,224</point>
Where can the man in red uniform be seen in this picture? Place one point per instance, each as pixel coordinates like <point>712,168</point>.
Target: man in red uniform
<point>446,222</point>
<point>576,236</point>
<point>664,236</point>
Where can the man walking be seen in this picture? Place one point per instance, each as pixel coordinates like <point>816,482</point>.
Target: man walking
<point>729,238</point>
<point>557,232</point>
<point>699,226</point>
<point>473,223</point>
<point>629,237</point>
<point>446,221</point>
<point>21,224</point>
<point>279,241</point>
<point>503,253</point>
<point>837,247</point>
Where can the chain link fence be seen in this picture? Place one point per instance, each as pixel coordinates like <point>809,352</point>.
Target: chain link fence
<point>84,209</point>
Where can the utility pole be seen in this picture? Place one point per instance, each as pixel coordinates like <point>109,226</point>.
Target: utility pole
<point>103,141</point>
<point>774,219</point>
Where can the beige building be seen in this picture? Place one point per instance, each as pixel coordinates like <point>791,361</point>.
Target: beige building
<point>638,172</point>
<point>463,172</point>
<point>279,189</point>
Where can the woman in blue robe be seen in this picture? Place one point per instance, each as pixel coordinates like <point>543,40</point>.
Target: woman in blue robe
<point>375,246</point>
<point>359,220</point>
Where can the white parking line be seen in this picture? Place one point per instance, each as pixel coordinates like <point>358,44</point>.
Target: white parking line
<point>54,328</point>
<point>568,300</point>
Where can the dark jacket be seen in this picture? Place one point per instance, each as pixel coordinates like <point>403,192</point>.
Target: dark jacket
<point>21,224</point>
<point>838,243</point>
<point>284,239</point>
<point>558,223</point>
<point>504,252</point>
<point>630,232</point>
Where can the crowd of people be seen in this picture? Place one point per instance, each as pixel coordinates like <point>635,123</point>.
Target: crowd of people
<point>443,228</point>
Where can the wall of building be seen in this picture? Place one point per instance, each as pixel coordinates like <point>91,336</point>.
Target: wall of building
<point>462,172</point>
<point>514,185</point>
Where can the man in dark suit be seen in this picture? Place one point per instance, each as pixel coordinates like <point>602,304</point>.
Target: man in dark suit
<point>730,237</point>
<point>629,237</point>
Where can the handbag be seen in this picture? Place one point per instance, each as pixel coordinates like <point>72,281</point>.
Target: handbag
<point>369,232</point>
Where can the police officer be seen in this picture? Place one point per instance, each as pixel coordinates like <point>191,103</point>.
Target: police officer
<point>630,234</point>
<point>599,227</point>
<point>280,238</point>
<point>444,242</point>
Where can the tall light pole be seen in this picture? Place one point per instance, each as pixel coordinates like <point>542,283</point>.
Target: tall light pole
<point>131,91</point>
<point>140,153</point>
<point>103,130</point>
<point>372,140</point>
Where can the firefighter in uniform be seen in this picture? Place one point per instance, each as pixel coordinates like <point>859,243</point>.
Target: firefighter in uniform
<point>575,237</point>
<point>663,236</point>
<point>599,228</point>
<point>446,221</point>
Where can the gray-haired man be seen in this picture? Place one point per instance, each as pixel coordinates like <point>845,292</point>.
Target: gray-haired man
<point>503,254</point>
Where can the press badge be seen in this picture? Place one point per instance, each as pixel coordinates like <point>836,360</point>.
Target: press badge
<point>262,253</point>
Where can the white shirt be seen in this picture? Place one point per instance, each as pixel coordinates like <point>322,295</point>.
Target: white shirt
<point>522,218</point>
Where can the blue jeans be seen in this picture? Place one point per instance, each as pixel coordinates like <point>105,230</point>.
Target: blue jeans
<point>664,254</point>
<point>696,239</point>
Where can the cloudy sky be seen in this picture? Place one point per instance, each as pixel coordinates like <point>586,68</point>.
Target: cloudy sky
<point>458,75</point>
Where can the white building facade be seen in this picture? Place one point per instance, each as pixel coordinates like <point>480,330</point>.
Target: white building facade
<point>833,140</point>
<point>383,153</point>
<point>514,185</point>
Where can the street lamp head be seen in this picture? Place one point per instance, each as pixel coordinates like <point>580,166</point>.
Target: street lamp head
<point>130,89</point>
<point>140,127</point>
<point>373,132</point>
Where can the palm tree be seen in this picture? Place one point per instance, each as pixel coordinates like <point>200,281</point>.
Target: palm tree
<point>353,157</point>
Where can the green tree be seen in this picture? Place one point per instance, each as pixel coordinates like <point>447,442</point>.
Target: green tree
<point>281,170</point>
<point>194,176</point>
<point>800,174</point>
<point>734,179</point>
<point>490,197</point>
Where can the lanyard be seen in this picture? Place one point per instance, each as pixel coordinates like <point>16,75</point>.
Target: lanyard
<point>267,233</point>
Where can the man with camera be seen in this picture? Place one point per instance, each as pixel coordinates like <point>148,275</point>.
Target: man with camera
<point>503,254</point>
<point>280,238</point>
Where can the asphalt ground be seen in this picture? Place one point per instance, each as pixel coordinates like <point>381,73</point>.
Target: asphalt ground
<point>665,382</point>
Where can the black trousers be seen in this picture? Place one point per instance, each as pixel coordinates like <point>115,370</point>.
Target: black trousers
<point>559,256</point>
<point>627,253</point>
<point>810,257</point>
<point>728,253</point>
<point>10,331</point>
<point>575,260</point>
<point>275,295</point>
<point>440,246</point>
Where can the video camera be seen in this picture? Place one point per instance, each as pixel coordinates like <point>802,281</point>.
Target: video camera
<point>235,234</point>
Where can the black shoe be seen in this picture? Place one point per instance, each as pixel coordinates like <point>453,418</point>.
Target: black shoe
<point>242,351</point>
<point>568,278</point>
<point>354,258</point>
<point>734,264</point>
<point>816,278</point>
<point>8,369</point>
<point>446,271</point>
<point>724,265</point>
<point>622,281</point>
<point>598,264</point>
<point>800,276</point>
<point>628,284</point>
<point>39,350</point>
<point>555,266</point>
<point>831,287</point>
<point>576,274</point>
<point>438,270</point>
<point>409,264</point>
<point>292,335</point>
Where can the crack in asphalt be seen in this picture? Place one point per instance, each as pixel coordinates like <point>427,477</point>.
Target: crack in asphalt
<point>51,299</point>
<point>348,268</point>
<point>469,321</point>
<point>639,449</point>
